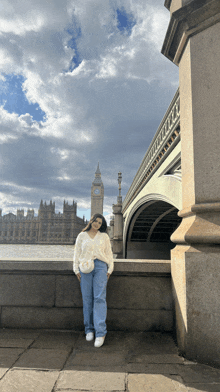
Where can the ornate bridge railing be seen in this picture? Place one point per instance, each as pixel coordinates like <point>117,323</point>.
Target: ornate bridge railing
<point>166,137</point>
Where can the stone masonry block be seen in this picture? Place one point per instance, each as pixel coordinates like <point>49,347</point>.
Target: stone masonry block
<point>128,292</point>
<point>139,320</point>
<point>122,292</point>
<point>72,318</point>
<point>203,284</point>
<point>68,293</point>
<point>26,290</point>
<point>204,324</point>
<point>36,317</point>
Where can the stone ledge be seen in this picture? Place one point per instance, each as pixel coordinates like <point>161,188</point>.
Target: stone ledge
<point>142,266</point>
<point>121,266</point>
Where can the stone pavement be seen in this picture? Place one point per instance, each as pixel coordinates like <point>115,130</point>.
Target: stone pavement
<point>61,361</point>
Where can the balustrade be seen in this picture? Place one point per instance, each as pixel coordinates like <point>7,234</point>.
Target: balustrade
<point>167,132</point>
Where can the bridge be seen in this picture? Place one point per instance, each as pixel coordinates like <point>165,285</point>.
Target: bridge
<point>155,196</point>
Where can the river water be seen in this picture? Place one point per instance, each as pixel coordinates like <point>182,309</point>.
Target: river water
<point>36,251</point>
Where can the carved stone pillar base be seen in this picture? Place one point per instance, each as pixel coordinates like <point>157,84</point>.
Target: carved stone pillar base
<point>195,269</point>
<point>196,287</point>
<point>118,230</point>
<point>118,248</point>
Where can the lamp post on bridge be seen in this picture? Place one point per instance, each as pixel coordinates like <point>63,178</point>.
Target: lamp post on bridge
<point>119,198</point>
<point>118,223</point>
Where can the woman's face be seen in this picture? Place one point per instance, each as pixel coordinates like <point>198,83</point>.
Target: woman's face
<point>97,224</point>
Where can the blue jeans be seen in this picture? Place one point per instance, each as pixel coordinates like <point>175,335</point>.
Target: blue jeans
<point>93,288</point>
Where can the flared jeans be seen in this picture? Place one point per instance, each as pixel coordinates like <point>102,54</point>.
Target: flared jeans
<point>93,288</point>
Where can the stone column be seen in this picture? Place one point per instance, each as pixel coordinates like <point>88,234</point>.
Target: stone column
<point>118,223</point>
<point>118,230</point>
<point>111,228</point>
<point>192,43</point>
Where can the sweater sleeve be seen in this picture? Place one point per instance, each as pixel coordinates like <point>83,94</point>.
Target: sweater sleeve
<point>109,254</point>
<point>77,251</point>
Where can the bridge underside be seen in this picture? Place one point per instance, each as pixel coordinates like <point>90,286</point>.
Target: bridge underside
<point>150,230</point>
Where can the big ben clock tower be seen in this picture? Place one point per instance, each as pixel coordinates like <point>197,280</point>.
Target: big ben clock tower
<point>97,194</point>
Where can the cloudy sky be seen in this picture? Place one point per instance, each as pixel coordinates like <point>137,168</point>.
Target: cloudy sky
<point>81,82</point>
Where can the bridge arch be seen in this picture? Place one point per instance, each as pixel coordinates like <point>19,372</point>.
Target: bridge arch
<point>149,226</point>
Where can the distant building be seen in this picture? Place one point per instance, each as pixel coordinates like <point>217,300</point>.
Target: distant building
<point>46,228</point>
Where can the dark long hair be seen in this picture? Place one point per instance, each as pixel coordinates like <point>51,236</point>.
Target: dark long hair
<point>102,229</point>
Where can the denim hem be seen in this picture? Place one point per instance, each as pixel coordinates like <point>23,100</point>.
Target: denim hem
<point>99,335</point>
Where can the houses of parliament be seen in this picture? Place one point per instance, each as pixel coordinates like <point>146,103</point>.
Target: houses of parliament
<point>49,227</point>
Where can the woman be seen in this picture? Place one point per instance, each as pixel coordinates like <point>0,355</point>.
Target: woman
<point>94,243</point>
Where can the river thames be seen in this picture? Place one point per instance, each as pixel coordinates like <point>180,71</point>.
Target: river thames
<point>36,251</point>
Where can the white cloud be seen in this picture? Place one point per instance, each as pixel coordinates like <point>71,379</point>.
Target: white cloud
<point>63,153</point>
<point>5,138</point>
<point>108,218</point>
<point>20,26</point>
<point>14,126</point>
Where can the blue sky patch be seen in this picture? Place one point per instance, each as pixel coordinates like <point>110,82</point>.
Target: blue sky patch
<point>72,43</point>
<point>76,60</point>
<point>14,100</point>
<point>125,21</point>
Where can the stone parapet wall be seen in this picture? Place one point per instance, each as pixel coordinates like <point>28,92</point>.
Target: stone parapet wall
<point>46,294</point>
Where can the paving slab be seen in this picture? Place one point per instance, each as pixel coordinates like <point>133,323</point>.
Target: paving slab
<point>3,371</point>
<point>114,341</point>
<point>150,343</point>
<point>103,369</point>
<point>67,362</point>
<point>8,356</point>
<point>28,381</point>
<point>199,387</point>
<point>154,383</point>
<point>153,368</point>
<point>84,390</point>
<point>56,340</point>
<point>158,358</point>
<point>91,380</point>
<point>139,343</point>
<point>45,359</point>
<point>95,359</point>
<point>199,373</point>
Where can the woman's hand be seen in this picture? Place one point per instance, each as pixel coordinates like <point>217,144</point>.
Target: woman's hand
<point>78,277</point>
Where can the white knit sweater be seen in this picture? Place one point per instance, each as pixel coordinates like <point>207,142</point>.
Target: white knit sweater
<point>87,248</point>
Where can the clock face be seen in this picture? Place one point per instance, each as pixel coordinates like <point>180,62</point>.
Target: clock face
<point>96,191</point>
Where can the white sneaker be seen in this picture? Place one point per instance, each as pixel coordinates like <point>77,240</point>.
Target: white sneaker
<point>89,336</point>
<point>99,341</point>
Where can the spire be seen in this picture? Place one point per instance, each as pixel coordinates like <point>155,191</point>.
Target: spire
<point>97,180</point>
<point>98,170</point>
